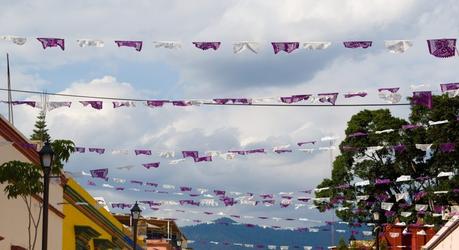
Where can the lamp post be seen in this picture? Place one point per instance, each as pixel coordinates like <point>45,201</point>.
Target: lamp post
<point>46,159</point>
<point>135,215</point>
<point>377,219</point>
<point>351,239</point>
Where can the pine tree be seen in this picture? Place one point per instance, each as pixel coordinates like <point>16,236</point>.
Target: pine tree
<point>40,133</point>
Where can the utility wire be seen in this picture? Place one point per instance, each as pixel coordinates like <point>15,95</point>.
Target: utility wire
<point>215,104</point>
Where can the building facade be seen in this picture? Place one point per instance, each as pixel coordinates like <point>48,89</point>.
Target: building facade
<point>88,225</point>
<point>411,236</point>
<point>14,213</point>
<point>157,234</point>
<point>447,238</point>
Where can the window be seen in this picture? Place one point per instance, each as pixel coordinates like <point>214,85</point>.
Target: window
<point>82,245</point>
<point>17,248</point>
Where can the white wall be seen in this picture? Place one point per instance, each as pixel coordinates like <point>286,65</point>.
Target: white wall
<point>14,215</point>
<point>451,242</point>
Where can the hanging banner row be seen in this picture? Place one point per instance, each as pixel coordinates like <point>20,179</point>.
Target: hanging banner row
<point>390,95</point>
<point>445,47</point>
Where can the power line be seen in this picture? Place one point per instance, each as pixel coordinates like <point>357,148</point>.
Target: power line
<point>311,105</point>
<point>214,104</point>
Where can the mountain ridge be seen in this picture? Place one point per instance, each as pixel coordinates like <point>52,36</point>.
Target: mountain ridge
<point>223,233</point>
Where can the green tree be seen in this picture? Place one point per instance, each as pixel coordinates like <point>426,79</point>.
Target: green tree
<point>23,180</point>
<point>361,160</point>
<point>342,245</point>
<point>62,148</point>
<point>40,133</point>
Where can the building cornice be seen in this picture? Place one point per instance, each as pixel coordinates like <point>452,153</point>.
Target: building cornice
<point>8,132</point>
<point>72,196</point>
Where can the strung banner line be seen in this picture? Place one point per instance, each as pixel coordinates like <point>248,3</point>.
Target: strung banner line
<point>292,246</point>
<point>443,147</point>
<point>401,180</point>
<point>209,155</point>
<point>124,205</point>
<point>390,95</point>
<point>451,211</point>
<point>258,246</point>
<point>250,199</point>
<point>235,216</point>
<point>423,98</point>
<point>311,230</point>
<point>287,200</point>
<point>409,204</point>
<point>217,199</point>
<point>192,191</point>
<point>248,225</point>
<point>442,48</point>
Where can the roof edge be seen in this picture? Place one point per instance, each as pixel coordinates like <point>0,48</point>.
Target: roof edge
<point>444,232</point>
<point>12,134</point>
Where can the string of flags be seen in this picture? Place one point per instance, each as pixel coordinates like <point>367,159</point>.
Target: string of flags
<point>103,173</point>
<point>454,210</point>
<point>101,203</point>
<point>210,155</point>
<point>237,217</point>
<point>444,47</point>
<point>287,247</point>
<point>206,197</point>
<point>258,246</point>
<point>446,147</point>
<point>286,198</point>
<point>389,94</point>
<point>314,229</point>
<point>437,210</point>
<point>248,225</point>
<point>365,233</point>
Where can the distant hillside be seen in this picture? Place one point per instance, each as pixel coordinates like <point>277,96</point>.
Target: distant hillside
<point>220,232</point>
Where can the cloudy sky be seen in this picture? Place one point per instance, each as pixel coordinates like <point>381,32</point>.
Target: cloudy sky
<point>190,73</point>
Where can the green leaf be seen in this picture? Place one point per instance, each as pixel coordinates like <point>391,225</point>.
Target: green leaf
<point>21,179</point>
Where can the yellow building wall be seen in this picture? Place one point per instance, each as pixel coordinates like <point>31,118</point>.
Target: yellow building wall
<point>73,216</point>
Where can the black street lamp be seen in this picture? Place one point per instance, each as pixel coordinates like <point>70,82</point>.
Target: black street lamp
<point>351,240</point>
<point>135,215</point>
<point>377,219</point>
<point>46,159</point>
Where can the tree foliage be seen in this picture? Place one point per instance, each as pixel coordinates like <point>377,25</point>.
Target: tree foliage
<point>22,179</point>
<point>63,149</point>
<point>361,160</point>
<point>40,133</point>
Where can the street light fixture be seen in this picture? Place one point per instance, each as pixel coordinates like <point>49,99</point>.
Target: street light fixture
<point>135,216</point>
<point>377,219</point>
<point>46,159</point>
<point>351,240</point>
<point>376,215</point>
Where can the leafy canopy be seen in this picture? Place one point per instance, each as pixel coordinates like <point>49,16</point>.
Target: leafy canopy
<point>22,179</point>
<point>359,161</point>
